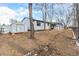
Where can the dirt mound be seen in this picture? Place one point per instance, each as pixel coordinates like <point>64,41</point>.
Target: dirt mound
<point>53,42</point>
<point>9,48</point>
<point>44,50</point>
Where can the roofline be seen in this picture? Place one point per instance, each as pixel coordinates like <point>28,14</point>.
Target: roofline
<point>24,18</point>
<point>42,21</point>
<point>35,20</point>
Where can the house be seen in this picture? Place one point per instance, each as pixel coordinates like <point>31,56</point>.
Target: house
<point>38,24</point>
<point>24,26</point>
<point>17,27</point>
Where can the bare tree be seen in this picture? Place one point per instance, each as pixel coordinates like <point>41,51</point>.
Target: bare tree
<point>31,22</point>
<point>43,8</point>
<point>76,22</point>
<point>64,15</point>
<point>75,19</point>
<point>50,12</point>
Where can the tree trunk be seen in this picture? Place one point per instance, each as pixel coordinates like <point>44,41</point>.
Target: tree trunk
<point>77,18</point>
<point>76,23</point>
<point>45,15</point>
<point>31,22</point>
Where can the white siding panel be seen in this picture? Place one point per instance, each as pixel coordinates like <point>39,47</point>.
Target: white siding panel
<point>47,26</point>
<point>26,22</point>
<point>20,28</point>
<point>13,28</point>
<point>41,27</point>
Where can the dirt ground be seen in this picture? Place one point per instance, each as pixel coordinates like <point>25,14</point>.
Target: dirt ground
<point>50,42</point>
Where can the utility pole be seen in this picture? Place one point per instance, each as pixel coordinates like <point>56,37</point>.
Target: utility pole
<point>31,22</point>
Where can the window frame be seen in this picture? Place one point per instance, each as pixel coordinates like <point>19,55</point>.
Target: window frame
<point>38,23</point>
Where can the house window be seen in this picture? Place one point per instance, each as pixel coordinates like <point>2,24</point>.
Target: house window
<point>48,24</point>
<point>38,23</point>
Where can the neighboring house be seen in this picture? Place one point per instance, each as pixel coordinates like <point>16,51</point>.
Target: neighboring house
<point>4,28</point>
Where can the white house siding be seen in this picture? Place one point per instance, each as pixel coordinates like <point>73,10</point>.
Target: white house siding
<point>58,27</point>
<point>15,28</point>
<point>26,22</point>
<point>41,27</point>
<point>20,28</point>
<point>47,26</point>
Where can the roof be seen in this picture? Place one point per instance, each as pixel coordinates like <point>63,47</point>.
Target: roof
<point>33,20</point>
<point>24,19</point>
<point>41,21</point>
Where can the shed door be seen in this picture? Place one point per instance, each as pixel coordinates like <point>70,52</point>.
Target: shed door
<point>20,28</point>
